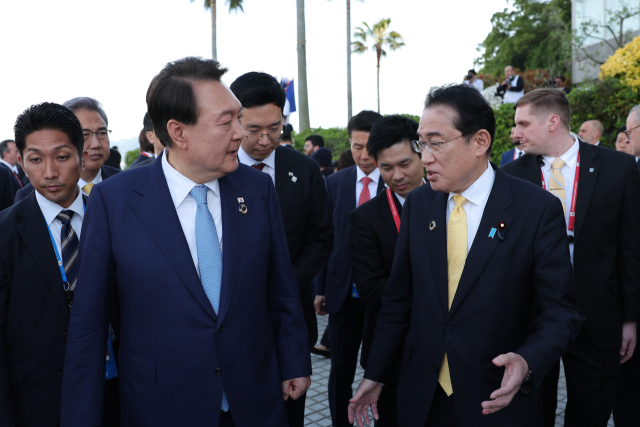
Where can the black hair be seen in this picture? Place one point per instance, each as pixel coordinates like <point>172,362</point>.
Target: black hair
<point>561,77</point>
<point>171,96</point>
<point>472,71</point>
<point>147,124</point>
<point>286,133</point>
<point>86,103</point>
<point>346,159</point>
<point>316,140</point>
<point>145,145</point>
<point>473,112</point>
<point>363,121</point>
<point>391,130</point>
<point>256,89</point>
<point>620,130</point>
<point>48,116</point>
<point>4,147</point>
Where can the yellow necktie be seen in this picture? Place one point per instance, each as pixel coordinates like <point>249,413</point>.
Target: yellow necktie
<point>556,182</point>
<point>87,188</point>
<point>456,257</point>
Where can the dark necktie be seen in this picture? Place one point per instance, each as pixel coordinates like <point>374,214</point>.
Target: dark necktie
<point>519,154</point>
<point>259,166</point>
<point>69,248</point>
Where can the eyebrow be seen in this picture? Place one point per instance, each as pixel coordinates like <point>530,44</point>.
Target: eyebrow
<point>100,128</point>
<point>59,147</point>
<point>406,159</point>
<point>227,112</point>
<point>251,125</point>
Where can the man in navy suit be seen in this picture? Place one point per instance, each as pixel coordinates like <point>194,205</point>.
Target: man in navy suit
<point>513,154</point>
<point>212,331</point>
<point>347,190</point>
<point>479,252</point>
<point>96,142</point>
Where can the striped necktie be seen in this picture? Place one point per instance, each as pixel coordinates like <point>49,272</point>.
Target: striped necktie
<point>69,247</point>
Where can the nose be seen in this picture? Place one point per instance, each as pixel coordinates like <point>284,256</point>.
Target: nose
<point>238,134</point>
<point>427,157</point>
<point>365,154</point>
<point>93,142</point>
<point>50,171</point>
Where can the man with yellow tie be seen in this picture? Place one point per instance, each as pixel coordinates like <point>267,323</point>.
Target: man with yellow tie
<point>96,143</point>
<point>481,296</point>
<point>599,190</point>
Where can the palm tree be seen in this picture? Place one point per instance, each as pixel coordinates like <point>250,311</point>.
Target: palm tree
<point>211,4</point>
<point>382,38</point>
<point>303,97</point>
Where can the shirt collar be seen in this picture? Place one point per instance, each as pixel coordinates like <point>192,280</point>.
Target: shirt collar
<point>10,166</point>
<point>570,157</point>
<point>245,159</point>
<point>50,210</point>
<point>179,185</point>
<point>480,189</point>
<point>375,175</point>
<point>518,150</point>
<point>96,180</point>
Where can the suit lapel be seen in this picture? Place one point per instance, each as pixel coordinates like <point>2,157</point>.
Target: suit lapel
<point>349,186</point>
<point>234,226</point>
<point>586,183</point>
<point>35,236</point>
<point>531,169</point>
<point>483,246</point>
<point>436,240</point>
<point>381,186</point>
<point>285,187</point>
<point>158,215</point>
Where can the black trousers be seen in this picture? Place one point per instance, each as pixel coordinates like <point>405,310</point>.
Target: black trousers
<point>591,378</point>
<point>388,406</point>
<point>442,412</point>
<point>295,411</point>
<point>626,406</point>
<point>346,336</point>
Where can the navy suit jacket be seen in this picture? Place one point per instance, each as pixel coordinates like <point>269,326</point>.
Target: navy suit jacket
<point>107,172</point>
<point>334,279</point>
<point>176,354</point>
<point>507,157</point>
<point>505,277</point>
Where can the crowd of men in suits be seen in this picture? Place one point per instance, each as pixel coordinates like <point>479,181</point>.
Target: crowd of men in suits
<point>199,272</point>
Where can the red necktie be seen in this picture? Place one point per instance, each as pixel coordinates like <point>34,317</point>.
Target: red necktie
<point>258,166</point>
<point>18,178</point>
<point>365,195</point>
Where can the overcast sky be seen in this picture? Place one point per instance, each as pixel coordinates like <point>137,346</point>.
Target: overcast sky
<point>110,50</point>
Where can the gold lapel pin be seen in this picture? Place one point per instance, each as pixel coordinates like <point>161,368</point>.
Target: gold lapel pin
<point>243,208</point>
<point>432,226</point>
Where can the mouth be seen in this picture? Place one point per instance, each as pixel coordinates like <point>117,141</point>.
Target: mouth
<point>95,156</point>
<point>53,188</point>
<point>431,175</point>
<point>401,187</point>
<point>233,153</point>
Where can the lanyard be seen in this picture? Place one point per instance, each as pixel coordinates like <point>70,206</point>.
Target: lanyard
<point>574,196</point>
<point>394,211</point>
<point>68,293</point>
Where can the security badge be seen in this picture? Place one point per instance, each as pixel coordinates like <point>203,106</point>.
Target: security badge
<point>243,208</point>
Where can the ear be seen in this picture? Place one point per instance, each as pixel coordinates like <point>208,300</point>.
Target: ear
<point>149,135</point>
<point>21,163</point>
<point>554,122</point>
<point>177,132</point>
<point>85,158</point>
<point>483,141</point>
<point>375,162</point>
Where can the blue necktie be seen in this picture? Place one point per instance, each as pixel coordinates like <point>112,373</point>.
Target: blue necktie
<point>209,256</point>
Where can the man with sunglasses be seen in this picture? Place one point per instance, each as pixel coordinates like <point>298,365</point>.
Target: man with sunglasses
<point>478,253</point>
<point>300,189</point>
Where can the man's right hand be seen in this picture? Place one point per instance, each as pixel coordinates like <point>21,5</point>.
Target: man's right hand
<point>319,305</point>
<point>367,395</point>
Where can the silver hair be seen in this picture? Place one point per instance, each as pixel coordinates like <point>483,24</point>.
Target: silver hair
<point>636,109</point>
<point>86,103</point>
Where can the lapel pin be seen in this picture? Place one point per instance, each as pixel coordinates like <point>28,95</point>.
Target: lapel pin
<point>502,226</point>
<point>242,208</point>
<point>294,179</point>
<point>240,200</point>
<point>492,232</point>
<point>290,173</point>
<point>432,226</point>
<point>590,169</point>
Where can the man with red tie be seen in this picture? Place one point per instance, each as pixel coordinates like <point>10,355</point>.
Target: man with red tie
<point>9,160</point>
<point>337,292</point>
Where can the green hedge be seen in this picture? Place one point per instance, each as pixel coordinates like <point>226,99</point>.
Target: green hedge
<point>131,157</point>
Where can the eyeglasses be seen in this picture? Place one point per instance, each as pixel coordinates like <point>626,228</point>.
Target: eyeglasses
<point>432,147</point>
<point>102,135</point>
<point>253,137</point>
<point>627,133</point>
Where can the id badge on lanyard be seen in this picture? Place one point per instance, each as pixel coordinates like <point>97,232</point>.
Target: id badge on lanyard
<point>111,370</point>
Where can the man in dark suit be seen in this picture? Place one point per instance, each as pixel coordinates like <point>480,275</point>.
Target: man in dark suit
<point>513,154</point>
<point>478,251</point>
<point>114,159</point>
<point>96,143</point>
<point>300,189</point>
<point>374,232</point>
<point>146,151</point>
<point>9,161</point>
<point>602,228</point>
<point>7,189</point>
<point>347,189</point>
<point>34,308</point>
<point>212,329</point>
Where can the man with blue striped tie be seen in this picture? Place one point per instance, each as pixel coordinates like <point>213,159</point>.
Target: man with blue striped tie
<point>212,330</point>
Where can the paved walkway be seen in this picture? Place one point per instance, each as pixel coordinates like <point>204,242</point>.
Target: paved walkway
<point>317,411</point>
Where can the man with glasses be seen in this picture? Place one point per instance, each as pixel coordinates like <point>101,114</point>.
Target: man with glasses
<point>599,190</point>
<point>96,142</point>
<point>300,189</point>
<point>479,253</point>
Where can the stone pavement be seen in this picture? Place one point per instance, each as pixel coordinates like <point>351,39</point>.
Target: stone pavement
<point>317,411</point>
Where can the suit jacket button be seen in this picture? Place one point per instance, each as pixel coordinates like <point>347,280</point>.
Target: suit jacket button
<point>218,371</point>
<point>64,331</point>
<point>447,330</point>
<point>436,368</point>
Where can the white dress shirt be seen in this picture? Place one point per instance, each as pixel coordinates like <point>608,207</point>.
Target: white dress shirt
<point>186,206</point>
<point>373,185</point>
<point>568,171</point>
<point>96,180</point>
<point>13,168</point>
<point>477,195</point>
<point>517,153</point>
<point>50,211</point>
<point>269,162</point>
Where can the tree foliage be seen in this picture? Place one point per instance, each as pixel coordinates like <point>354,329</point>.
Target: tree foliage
<point>529,35</point>
<point>131,157</point>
